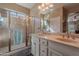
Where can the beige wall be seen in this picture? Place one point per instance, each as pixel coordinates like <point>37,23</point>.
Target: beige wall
<point>58,12</point>
<point>14,6</point>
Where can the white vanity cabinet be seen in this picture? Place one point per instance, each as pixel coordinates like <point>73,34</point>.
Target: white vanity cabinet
<point>35,45</point>
<point>46,47</point>
<point>60,49</point>
<point>52,50</point>
<point>43,47</point>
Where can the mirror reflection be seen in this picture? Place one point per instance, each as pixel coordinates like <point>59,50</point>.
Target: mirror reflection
<point>73,23</point>
<point>45,23</point>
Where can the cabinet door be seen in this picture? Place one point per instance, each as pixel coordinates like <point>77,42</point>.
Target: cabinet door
<point>65,50</point>
<point>43,51</point>
<point>43,42</point>
<point>52,52</point>
<point>43,47</point>
<point>54,49</point>
<point>35,46</point>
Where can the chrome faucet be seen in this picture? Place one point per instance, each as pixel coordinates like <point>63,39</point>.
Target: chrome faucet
<point>69,35</point>
<point>72,36</point>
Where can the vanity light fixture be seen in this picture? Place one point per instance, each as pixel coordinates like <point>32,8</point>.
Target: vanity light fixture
<point>45,6</point>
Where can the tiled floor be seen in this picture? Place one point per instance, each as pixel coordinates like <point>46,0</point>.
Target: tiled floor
<point>25,51</point>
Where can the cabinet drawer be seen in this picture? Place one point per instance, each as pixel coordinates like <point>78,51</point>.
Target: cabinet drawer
<point>43,52</point>
<point>54,45</point>
<point>43,48</point>
<point>50,44</point>
<point>52,52</point>
<point>43,42</point>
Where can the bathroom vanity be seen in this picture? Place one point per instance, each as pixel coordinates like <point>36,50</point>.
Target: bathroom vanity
<point>53,45</point>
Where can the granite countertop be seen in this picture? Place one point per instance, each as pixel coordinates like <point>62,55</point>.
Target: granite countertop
<point>60,39</point>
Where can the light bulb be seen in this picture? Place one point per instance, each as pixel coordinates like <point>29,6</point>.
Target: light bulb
<point>46,7</point>
<point>42,4</point>
<point>43,9</point>
<point>51,5</point>
<point>39,7</point>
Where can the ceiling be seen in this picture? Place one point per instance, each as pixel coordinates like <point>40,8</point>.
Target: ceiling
<point>30,5</point>
<point>27,5</point>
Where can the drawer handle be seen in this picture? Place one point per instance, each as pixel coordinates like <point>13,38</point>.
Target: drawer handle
<point>43,51</point>
<point>34,43</point>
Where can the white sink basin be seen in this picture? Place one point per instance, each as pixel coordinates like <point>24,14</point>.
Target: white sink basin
<point>66,40</point>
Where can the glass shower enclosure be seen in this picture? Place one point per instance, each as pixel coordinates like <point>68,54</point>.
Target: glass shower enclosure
<point>18,30</point>
<point>4,31</point>
<point>12,30</point>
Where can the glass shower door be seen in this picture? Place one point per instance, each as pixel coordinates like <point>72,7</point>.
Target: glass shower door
<point>4,32</point>
<point>18,32</point>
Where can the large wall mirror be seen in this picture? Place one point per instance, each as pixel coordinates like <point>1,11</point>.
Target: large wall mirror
<point>73,23</point>
<point>52,24</point>
<point>45,23</point>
